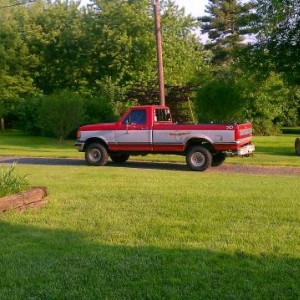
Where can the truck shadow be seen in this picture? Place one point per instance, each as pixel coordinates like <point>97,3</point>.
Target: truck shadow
<point>81,162</point>
<point>44,263</point>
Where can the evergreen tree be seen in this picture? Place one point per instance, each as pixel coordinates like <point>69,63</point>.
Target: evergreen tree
<point>226,25</point>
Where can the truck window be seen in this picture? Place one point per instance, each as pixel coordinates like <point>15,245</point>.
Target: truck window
<point>137,116</point>
<point>162,115</point>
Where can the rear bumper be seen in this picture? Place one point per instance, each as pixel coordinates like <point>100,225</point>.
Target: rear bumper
<point>246,150</point>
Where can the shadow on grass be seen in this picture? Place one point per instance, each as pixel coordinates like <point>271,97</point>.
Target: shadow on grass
<point>79,162</point>
<point>59,264</point>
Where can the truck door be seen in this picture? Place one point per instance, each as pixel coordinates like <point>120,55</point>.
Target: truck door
<point>134,132</point>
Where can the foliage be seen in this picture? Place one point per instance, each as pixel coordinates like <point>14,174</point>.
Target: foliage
<point>268,102</point>
<point>98,110</point>
<point>60,113</point>
<point>29,116</point>
<point>279,37</point>
<point>11,183</point>
<point>219,101</point>
<point>15,62</point>
<point>226,26</point>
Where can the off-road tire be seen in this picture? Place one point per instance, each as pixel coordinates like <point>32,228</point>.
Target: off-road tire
<point>218,159</point>
<point>96,155</point>
<point>198,158</point>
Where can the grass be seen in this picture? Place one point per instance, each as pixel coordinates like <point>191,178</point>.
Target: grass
<point>124,233</point>
<point>294,130</point>
<point>16,143</point>
<point>11,183</point>
<point>273,150</point>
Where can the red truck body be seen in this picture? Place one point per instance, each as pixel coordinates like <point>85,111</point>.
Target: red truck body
<point>149,129</point>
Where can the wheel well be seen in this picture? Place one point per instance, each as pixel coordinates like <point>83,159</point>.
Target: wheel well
<point>94,140</point>
<point>198,141</point>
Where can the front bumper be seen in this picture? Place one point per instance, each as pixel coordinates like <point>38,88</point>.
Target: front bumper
<point>79,146</point>
<point>246,150</point>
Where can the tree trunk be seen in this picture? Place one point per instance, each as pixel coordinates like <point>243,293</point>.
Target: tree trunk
<point>297,146</point>
<point>2,124</point>
<point>32,198</point>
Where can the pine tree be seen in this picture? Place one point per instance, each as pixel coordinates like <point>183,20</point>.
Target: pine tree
<point>225,26</point>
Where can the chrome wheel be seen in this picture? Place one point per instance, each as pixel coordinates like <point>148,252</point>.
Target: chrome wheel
<point>198,159</point>
<point>94,155</point>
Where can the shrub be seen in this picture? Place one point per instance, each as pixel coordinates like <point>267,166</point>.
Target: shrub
<point>60,113</point>
<point>219,102</point>
<point>28,115</point>
<point>11,183</point>
<point>98,110</point>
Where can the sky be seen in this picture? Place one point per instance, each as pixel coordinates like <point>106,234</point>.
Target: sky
<point>194,7</point>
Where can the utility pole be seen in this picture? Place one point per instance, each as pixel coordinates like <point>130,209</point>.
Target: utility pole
<point>160,66</point>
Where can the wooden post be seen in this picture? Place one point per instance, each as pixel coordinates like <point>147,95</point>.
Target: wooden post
<point>160,65</point>
<point>297,146</point>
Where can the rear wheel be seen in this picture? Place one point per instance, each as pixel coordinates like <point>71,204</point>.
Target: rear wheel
<point>96,155</point>
<point>218,159</point>
<point>198,158</point>
<point>119,158</point>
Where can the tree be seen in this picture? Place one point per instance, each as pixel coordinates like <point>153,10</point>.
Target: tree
<point>219,101</point>
<point>226,24</point>
<point>15,63</point>
<point>268,102</point>
<point>60,113</point>
<point>279,37</point>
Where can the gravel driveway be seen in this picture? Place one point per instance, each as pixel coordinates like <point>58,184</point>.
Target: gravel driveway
<point>226,168</point>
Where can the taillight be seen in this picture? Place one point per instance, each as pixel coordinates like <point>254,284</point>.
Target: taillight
<point>78,134</point>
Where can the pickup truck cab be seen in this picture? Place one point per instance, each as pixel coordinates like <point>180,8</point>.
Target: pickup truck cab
<point>149,129</point>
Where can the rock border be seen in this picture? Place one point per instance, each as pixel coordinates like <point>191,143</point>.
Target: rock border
<point>32,198</point>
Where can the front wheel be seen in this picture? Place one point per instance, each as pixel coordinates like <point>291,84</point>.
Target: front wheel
<point>198,158</point>
<point>96,155</point>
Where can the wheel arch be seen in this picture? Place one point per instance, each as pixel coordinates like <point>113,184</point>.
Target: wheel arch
<point>204,142</point>
<point>94,140</point>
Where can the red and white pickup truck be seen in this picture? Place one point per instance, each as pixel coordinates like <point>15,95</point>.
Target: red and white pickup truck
<point>149,129</point>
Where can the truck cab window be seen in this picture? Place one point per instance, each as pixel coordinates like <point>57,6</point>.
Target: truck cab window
<point>162,115</point>
<point>137,116</point>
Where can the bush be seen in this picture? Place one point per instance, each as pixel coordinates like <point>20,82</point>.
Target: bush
<point>98,110</point>
<point>28,115</point>
<point>11,183</point>
<point>219,102</point>
<point>60,113</point>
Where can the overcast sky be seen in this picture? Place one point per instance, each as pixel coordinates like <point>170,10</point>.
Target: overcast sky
<point>194,7</point>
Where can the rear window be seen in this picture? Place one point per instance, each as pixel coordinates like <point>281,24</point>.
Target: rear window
<point>162,115</point>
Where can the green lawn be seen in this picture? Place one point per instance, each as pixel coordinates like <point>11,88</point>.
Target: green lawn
<point>130,233</point>
<point>123,233</point>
